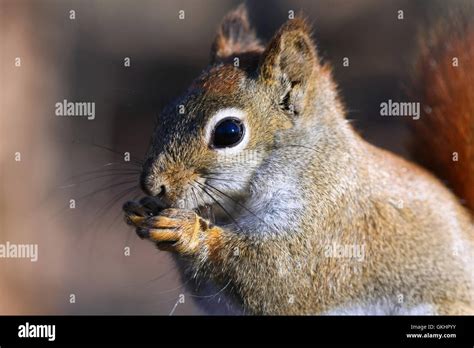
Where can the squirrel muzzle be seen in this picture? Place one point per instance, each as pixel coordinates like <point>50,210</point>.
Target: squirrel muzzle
<point>168,184</point>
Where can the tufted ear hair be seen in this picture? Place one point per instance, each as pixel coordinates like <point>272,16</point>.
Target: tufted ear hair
<point>235,38</point>
<point>289,63</point>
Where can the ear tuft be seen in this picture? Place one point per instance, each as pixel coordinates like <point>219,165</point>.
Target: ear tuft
<point>235,36</point>
<point>291,51</point>
<point>289,62</point>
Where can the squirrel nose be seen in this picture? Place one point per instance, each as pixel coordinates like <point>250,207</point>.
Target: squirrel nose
<point>153,190</point>
<point>149,183</point>
<point>162,191</point>
<point>150,187</point>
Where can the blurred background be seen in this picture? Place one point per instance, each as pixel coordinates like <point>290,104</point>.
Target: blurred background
<point>84,251</point>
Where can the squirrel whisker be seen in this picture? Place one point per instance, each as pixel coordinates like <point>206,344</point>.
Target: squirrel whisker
<point>102,176</point>
<point>236,202</point>
<point>203,189</point>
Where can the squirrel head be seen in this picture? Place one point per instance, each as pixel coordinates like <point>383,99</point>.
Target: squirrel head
<point>214,137</point>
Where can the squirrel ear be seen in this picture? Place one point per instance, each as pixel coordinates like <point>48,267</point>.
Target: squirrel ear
<point>235,36</point>
<point>288,64</point>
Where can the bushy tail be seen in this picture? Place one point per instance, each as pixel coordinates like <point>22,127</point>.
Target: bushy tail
<point>444,84</point>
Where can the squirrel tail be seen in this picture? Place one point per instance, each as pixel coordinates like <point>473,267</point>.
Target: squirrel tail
<point>444,85</point>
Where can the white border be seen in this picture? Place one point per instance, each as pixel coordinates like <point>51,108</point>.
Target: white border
<point>220,115</point>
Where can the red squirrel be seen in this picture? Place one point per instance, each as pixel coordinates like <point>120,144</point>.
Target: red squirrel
<point>271,201</point>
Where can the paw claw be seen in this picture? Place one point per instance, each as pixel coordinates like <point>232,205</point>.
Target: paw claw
<point>170,229</point>
<point>142,232</point>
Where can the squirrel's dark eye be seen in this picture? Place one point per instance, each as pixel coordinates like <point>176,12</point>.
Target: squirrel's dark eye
<point>228,132</point>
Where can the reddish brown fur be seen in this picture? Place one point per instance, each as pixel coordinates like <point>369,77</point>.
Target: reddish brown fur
<point>235,36</point>
<point>447,97</point>
<point>220,80</point>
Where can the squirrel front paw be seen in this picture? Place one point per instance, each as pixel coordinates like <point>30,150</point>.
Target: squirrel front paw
<point>171,229</point>
<point>174,229</point>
